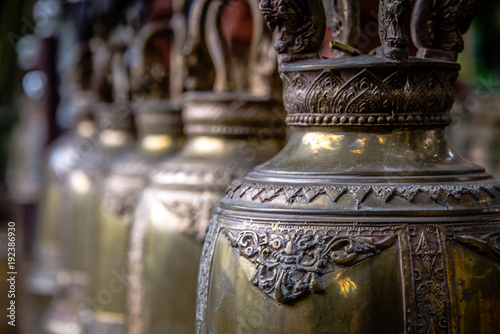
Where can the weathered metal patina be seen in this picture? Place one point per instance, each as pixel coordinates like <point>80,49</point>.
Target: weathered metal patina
<point>367,221</point>
<point>232,123</point>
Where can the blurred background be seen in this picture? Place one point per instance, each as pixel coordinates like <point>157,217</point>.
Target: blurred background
<point>32,57</point>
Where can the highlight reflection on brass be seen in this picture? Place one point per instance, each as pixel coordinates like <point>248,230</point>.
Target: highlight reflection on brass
<point>113,138</point>
<point>80,181</point>
<point>346,286</point>
<point>156,142</point>
<point>319,140</point>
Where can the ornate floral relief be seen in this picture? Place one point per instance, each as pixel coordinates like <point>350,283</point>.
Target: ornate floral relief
<point>290,194</point>
<point>429,280</point>
<point>294,92</point>
<point>120,194</point>
<point>426,253</point>
<point>363,94</point>
<point>321,95</point>
<point>290,264</point>
<point>133,165</point>
<point>193,212</point>
<point>238,116</point>
<point>369,98</point>
<point>400,84</point>
<point>431,297</point>
<point>432,89</point>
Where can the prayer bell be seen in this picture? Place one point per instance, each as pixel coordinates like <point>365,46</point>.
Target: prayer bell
<point>367,221</point>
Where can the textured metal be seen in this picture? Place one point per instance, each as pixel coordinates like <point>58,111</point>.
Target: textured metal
<point>159,128</point>
<point>367,221</point>
<point>229,131</point>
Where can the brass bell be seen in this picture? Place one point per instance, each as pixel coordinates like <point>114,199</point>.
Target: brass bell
<point>367,221</point>
<point>159,128</point>
<point>115,134</point>
<point>64,155</point>
<point>232,124</point>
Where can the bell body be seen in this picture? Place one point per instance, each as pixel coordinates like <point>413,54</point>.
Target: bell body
<point>125,179</point>
<point>78,221</point>
<point>64,155</point>
<point>173,213</point>
<point>366,222</point>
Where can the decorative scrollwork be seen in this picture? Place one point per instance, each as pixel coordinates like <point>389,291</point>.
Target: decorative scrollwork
<point>429,278</point>
<point>363,94</point>
<point>290,264</point>
<point>370,98</point>
<point>120,194</point>
<point>290,194</point>
<point>192,212</point>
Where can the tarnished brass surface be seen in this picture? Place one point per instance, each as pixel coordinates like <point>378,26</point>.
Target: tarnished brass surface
<point>118,198</point>
<point>233,123</point>
<point>170,224</point>
<point>116,203</point>
<point>367,221</point>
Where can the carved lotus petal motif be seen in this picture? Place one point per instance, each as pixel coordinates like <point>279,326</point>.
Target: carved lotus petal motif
<point>364,93</point>
<point>320,98</point>
<point>429,95</point>
<point>290,264</point>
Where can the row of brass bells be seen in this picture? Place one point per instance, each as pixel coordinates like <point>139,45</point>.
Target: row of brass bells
<point>231,125</point>
<point>78,207</point>
<point>47,276</point>
<point>367,221</point>
<point>31,133</point>
<point>159,127</point>
<point>115,133</point>
<point>27,161</point>
<point>75,113</point>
